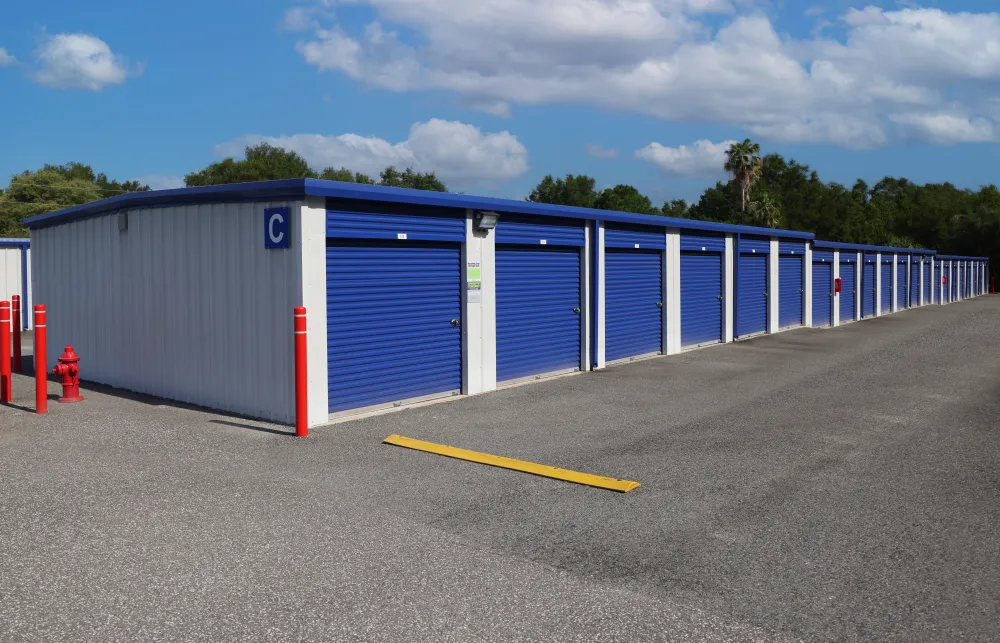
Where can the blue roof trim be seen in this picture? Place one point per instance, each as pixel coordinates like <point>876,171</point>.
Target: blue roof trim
<point>6,242</point>
<point>962,258</point>
<point>291,189</point>
<point>838,245</point>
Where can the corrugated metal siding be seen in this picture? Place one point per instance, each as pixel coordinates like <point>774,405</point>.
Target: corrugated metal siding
<point>901,288</point>
<point>389,317</point>
<point>701,298</point>
<point>186,304</point>
<point>538,294</point>
<point>792,248</point>
<point>819,256</point>
<point>848,290</point>
<point>822,293</point>
<point>536,231</point>
<point>633,318</point>
<point>751,294</point>
<point>372,220</point>
<point>634,238</point>
<point>791,290</point>
<point>886,276</point>
<point>702,243</point>
<point>754,245</point>
<point>868,289</point>
<point>914,284</point>
<point>12,280</point>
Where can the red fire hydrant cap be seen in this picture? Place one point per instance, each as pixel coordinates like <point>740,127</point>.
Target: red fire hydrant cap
<point>69,355</point>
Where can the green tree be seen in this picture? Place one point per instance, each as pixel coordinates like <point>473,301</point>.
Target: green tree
<point>624,198</point>
<point>743,162</point>
<point>345,175</point>
<point>391,177</point>
<point>54,187</point>
<point>678,208</point>
<point>575,191</point>
<point>263,162</point>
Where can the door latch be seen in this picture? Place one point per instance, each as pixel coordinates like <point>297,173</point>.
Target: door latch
<point>456,322</point>
<point>576,310</point>
<point>659,304</point>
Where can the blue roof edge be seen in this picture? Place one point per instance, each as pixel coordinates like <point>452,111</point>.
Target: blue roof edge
<point>289,189</point>
<point>863,247</point>
<point>962,258</point>
<point>12,242</point>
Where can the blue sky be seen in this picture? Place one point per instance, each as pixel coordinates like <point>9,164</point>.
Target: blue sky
<point>494,95</point>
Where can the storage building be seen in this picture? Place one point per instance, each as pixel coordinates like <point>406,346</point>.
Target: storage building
<point>15,275</point>
<point>187,294</point>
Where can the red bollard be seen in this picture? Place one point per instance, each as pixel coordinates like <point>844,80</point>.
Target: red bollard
<point>301,382</point>
<point>15,318</point>
<point>41,373</point>
<point>6,383</point>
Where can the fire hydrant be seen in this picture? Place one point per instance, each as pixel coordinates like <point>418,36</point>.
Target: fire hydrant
<point>68,372</point>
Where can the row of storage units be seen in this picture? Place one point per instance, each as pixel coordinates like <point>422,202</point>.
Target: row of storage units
<point>417,295</point>
<point>15,275</point>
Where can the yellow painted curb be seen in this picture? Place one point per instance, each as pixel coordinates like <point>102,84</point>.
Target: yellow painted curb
<point>588,479</point>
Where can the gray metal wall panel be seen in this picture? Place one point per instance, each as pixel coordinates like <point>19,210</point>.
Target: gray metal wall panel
<point>12,280</point>
<point>186,304</point>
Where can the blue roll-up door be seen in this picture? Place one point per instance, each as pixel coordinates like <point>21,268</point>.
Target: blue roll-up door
<point>927,282</point>
<point>791,290</point>
<point>751,295</point>
<point>633,303</point>
<point>822,293</point>
<point>901,291</point>
<point>914,283</point>
<point>393,322</point>
<point>868,290</point>
<point>538,310</point>
<point>953,280</point>
<point>848,291</point>
<point>701,298</point>
<point>885,304</point>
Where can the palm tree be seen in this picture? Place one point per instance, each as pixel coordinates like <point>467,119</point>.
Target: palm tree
<point>743,162</point>
<point>766,211</point>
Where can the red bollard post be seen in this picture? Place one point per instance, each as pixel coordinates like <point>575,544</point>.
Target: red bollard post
<point>6,383</point>
<point>41,373</point>
<point>301,382</point>
<point>15,318</point>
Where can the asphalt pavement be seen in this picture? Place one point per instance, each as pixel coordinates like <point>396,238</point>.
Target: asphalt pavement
<point>812,485</point>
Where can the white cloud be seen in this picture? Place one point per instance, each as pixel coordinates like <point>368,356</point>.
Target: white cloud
<point>662,58</point>
<point>947,129</point>
<point>78,61</point>
<point>457,152</point>
<point>601,152</point>
<point>700,159</point>
<point>6,58</point>
<point>160,182</point>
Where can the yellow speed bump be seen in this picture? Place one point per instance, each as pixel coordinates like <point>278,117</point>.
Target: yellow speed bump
<point>588,479</point>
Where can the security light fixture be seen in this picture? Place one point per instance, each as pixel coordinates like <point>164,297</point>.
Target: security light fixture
<point>486,220</point>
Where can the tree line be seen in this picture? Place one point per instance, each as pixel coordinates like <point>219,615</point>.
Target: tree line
<point>767,191</point>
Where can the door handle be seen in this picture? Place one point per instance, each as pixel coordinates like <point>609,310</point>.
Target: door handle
<point>719,297</point>
<point>801,291</point>
<point>659,304</point>
<point>456,322</point>
<point>576,310</point>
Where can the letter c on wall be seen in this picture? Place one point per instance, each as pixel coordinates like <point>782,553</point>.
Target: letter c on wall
<point>276,228</point>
